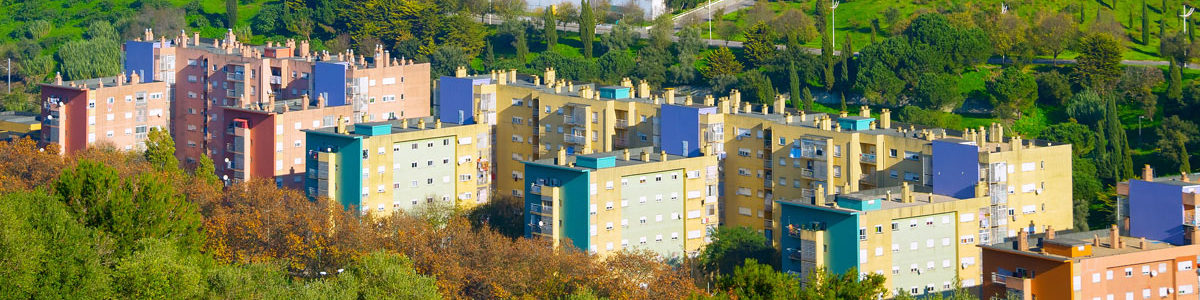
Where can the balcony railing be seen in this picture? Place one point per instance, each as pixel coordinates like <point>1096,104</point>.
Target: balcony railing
<point>276,80</point>
<point>621,143</point>
<point>621,123</point>
<point>572,120</point>
<point>535,189</point>
<point>574,139</point>
<point>807,194</point>
<point>235,76</point>
<point>868,157</point>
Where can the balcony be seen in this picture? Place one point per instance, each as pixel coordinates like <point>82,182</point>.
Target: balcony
<point>535,189</point>
<point>574,139</point>
<point>812,153</point>
<point>621,124</point>
<point>868,157</point>
<point>235,76</point>
<point>572,120</point>
<point>541,210</point>
<point>621,143</point>
<point>809,173</point>
<point>1012,282</point>
<point>276,79</point>
<point>796,255</point>
<point>807,194</point>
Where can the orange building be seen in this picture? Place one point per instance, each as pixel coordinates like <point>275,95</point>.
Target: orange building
<point>1090,265</point>
<point>116,111</point>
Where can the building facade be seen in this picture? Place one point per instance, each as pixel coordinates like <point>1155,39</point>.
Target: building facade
<point>115,111</point>
<point>631,199</point>
<point>1089,265</point>
<point>1160,208</point>
<point>385,167</point>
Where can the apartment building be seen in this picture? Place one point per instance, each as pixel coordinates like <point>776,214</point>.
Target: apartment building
<point>222,84</point>
<point>116,111</point>
<point>533,119</point>
<point>1099,264</point>
<point>1160,208</point>
<point>398,165</point>
<point>620,200</point>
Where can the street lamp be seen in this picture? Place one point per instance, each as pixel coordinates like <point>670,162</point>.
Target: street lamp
<point>1140,129</point>
<point>833,25</point>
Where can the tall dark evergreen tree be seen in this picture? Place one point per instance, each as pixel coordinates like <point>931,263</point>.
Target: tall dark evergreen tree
<point>587,27</point>
<point>808,99</point>
<point>1145,24</point>
<point>231,11</point>
<point>550,27</point>
<point>824,27</point>
<point>794,87</point>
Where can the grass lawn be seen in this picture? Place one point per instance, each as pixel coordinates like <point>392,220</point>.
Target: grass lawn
<point>854,18</point>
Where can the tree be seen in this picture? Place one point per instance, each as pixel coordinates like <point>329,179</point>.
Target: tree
<point>795,22</point>
<point>1099,63</point>
<point>45,253</point>
<point>794,87</point>
<point>759,45</point>
<point>1085,190</point>
<point>1012,93</point>
<point>619,38</point>
<point>661,31</point>
<point>938,91</point>
<point>158,270</point>
<point>1145,23</point>
<point>652,64</point>
<point>160,151</point>
<point>382,275</point>
<point>1174,87</point>
<point>1053,88</point>
<point>616,65</point>
<point>446,59</point>
<point>1082,139</point>
<point>1174,136</point>
<point>752,280</point>
<point>1175,48</point>
<point>1119,153</point>
<point>733,245</point>
<point>757,86</point>
<point>83,59</point>
<point>206,172</point>
<point>808,99</point>
<point>821,284</point>
<point>550,27</point>
<point>824,27</point>
<point>721,62</point>
<point>1054,33</point>
<point>504,214</point>
<point>1006,32</point>
<point>231,13</point>
<point>1087,107</point>
<point>587,27</point>
<point>1137,84</point>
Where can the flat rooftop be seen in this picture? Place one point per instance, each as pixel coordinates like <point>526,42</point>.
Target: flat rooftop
<point>1072,238</point>
<point>19,118</point>
<point>634,158</point>
<point>922,195</point>
<point>96,83</point>
<point>397,126</point>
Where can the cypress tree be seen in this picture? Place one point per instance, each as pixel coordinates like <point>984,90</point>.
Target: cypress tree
<point>824,27</point>
<point>1122,166</point>
<point>1162,21</point>
<point>1174,83</point>
<point>846,57</point>
<point>1145,24</point>
<point>843,101</point>
<point>1083,10</point>
<point>794,86</point>
<point>550,27</point>
<point>490,59</point>
<point>522,45</point>
<point>231,11</point>
<point>808,99</point>
<point>587,27</point>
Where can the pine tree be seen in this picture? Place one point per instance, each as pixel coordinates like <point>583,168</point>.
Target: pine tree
<point>587,27</point>
<point>520,42</point>
<point>206,171</point>
<point>160,150</point>
<point>1145,24</point>
<point>823,26</point>
<point>550,27</point>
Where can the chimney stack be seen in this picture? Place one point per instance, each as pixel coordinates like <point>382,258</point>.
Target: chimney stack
<point>625,154</point>
<point>1114,237</point>
<point>420,123</point>
<point>645,156</point>
<point>320,101</point>
<point>819,196</point>
<point>549,75</point>
<point>1147,173</point>
<point>864,111</point>
<point>437,123</point>
<point>687,100</point>
<point>906,193</point>
<point>561,157</point>
<point>885,119</point>
<point>669,95</point>
<point>341,125</point>
<point>662,156</point>
<point>643,89</point>
<point>708,100</point>
<point>736,96</point>
<point>1022,240</point>
<point>460,72</point>
<point>780,103</point>
<point>304,102</point>
<point>58,78</point>
<point>1142,243</point>
<point>1050,232</point>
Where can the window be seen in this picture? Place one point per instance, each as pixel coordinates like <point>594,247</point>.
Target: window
<point>892,153</point>
<point>909,155</point>
<point>1128,272</point>
<point>895,226</point>
<point>862,234</point>
<point>878,229</point>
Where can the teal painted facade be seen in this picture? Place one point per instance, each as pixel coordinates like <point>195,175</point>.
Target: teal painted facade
<point>855,123</point>
<point>860,205</point>
<point>596,162</point>
<point>575,200</point>
<point>372,129</point>
<point>841,235</point>
<point>348,164</point>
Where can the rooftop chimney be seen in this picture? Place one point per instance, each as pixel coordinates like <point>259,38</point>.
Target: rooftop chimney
<point>1114,237</point>
<point>1022,240</point>
<point>669,95</point>
<point>58,79</point>
<point>662,156</point>
<point>780,103</point>
<point>1142,243</point>
<point>708,100</point>
<point>549,75</point>
<point>625,82</point>
<point>1049,232</point>
<point>864,111</point>
<point>885,119</point>
<point>561,157</point>
<point>643,89</point>
<point>736,96</point>
<point>625,154</point>
<point>304,102</point>
<point>1147,173</point>
<point>420,123</point>
<point>437,124</point>
<point>906,195</point>
<point>341,125</point>
<point>512,75</point>
<point>687,100</point>
<point>645,156</point>
<point>819,196</point>
<point>320,101</point>
<point>460,72</point>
